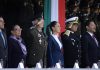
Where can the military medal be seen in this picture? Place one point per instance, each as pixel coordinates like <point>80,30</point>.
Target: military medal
<point>39,35</point>
<point>73,41</point>
<point>40,41</point>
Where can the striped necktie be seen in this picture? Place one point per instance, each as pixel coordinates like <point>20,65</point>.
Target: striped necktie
<point>95,39</point>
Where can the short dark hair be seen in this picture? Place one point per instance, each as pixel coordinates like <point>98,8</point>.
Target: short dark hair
<point>13,26</point>
<point>37,18</point>
<point>52,24</point>
<point>88,22</point>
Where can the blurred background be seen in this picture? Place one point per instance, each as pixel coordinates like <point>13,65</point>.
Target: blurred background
<point>22,12</point>
<point>85,10</point>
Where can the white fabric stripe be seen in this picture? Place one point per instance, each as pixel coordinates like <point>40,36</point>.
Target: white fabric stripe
<point>56,38</point>
<point>54,10</point>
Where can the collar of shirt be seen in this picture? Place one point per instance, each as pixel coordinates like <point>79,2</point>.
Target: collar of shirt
<point>55,35</point>
<point>90,33</point>
<point>0,30</point>
<point>72,32</point>
<point>57,40</point>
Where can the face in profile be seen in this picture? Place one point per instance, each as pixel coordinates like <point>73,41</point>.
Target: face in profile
<point>1,23</point>
<point>16,31</point>
<point>74,27</point>
<point>56,28</point>
<point>91,27</point>
<point>41,23</point>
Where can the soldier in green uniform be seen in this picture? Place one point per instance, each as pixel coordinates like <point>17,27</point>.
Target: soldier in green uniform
<point>36,42</point>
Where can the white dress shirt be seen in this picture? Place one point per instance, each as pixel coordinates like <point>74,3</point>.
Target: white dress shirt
<point>58,41</point>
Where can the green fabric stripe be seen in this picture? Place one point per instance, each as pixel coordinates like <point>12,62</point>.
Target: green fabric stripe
<point>47,13</point>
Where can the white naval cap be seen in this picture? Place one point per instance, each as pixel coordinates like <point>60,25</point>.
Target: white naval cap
<point>72,19</point>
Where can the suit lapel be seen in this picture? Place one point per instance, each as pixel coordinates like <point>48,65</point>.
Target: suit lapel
<point>55,42</point>
<point>91,39</point>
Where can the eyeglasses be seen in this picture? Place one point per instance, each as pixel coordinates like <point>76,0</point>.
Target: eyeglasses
<point>17,29</point>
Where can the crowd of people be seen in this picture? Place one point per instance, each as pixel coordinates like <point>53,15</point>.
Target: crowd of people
<point>64,48</point>
<point>80,42</point>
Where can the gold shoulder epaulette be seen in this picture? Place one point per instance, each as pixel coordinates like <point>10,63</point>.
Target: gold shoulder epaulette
<point>67,32</point>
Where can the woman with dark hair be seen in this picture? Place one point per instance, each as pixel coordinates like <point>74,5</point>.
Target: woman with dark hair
<point>16,47</point>
<point>55,47</point>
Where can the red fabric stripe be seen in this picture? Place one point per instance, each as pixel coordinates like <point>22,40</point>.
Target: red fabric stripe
<point>61,14</point>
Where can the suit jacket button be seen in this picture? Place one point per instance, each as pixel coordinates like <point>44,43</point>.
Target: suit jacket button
<point>5,56</point>
<point>78,56</point>
<point>34,54</point>
<point>78,50</point>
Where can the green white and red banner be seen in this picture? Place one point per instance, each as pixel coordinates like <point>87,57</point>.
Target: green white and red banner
<point>54,10</point>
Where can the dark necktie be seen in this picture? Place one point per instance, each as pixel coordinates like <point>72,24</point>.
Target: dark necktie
<point>95,39</point>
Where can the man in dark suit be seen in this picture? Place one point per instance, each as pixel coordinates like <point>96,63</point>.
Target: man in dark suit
<point>90,46</point>
<point>3,43</point>
<point>70,43</point>
<point>36,45</point>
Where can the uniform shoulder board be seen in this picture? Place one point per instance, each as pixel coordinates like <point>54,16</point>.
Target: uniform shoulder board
<point>67,32</point>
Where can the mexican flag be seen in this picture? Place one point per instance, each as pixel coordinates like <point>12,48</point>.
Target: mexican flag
<point>54,10</point>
